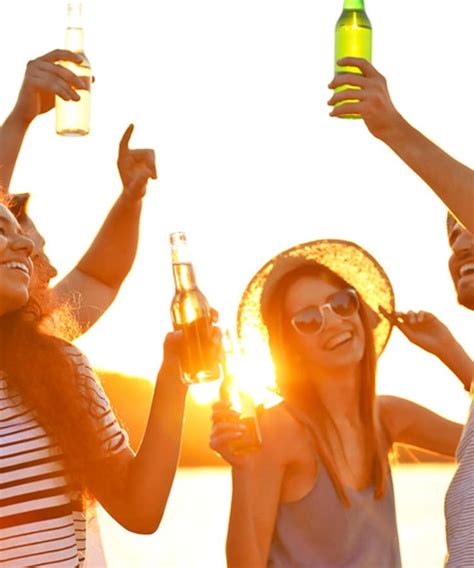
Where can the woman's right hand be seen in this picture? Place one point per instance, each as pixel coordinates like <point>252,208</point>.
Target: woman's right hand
<point>226,427</point>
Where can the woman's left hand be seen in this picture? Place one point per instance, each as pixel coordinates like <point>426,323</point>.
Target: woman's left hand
<point>423,329</point>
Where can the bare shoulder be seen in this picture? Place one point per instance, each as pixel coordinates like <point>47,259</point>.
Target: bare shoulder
<point>281,432</point>
<point>391,411</point>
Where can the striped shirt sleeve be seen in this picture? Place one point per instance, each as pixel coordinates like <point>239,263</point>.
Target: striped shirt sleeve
<point>114,438</point>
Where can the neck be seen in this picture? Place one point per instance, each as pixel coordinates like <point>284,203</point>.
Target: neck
<point>339,391</point>
<point>354,5</point>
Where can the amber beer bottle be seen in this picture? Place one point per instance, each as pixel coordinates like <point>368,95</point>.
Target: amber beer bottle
<point>251,439</point>
<point>191,313</point>
<point>73,117</point>
<point>353,38</point>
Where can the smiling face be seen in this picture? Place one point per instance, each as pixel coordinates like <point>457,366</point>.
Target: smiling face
<point>16,266</point>
<point>461,264</point>
<point>44,270</point>
<point>340,342</point>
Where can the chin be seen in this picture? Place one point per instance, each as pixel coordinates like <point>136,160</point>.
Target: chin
<point>466,299</point>
<point>345,358</point>
<point>13,303</point>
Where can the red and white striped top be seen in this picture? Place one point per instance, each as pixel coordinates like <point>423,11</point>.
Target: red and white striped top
<point>42,521</point>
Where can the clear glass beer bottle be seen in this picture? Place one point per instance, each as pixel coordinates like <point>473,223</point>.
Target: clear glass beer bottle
<point>190,312</point>
<point>230,391</point>
<point>73,117</point>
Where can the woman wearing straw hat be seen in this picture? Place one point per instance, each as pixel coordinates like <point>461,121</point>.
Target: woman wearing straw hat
<point>319,492</point>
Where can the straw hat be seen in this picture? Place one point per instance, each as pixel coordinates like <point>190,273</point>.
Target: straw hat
<point>346,259</point>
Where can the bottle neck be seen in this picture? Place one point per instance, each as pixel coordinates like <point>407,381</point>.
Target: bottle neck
<point>354,5</point>
<point>75,40</point>
<point>74,28</point>
<point>184,277</point>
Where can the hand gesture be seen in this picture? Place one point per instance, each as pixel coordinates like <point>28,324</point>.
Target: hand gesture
<point>422,329</point>
<point>135,167</point>
<point>226,428</point>
<point>374,106</point>
<point>44,79</point>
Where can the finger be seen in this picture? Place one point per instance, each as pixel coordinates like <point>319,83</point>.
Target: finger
<point>227,426</point>
<point>390,316</point>
<point>62,55</point>
<point>123,145</point>
<point>367,68</point>
<point>346,108</point>
<point>220,404</point>
<point>225,415</point>
<point>145,155</point>
<point>355,79</point>
<point>345,95</point>
<point>214,315</point>
<point>411,317</point>
<point>220,443</point>
<point>420,317</point>
<point>216,335</point>
<point>55,85</point>
<point>56,70</point>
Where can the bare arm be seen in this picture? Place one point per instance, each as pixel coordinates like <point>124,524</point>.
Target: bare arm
<point>42,82</point>
<point>137,499</point>
<point>256,486</point>
<point>97,278</point>
<point>429,333</point>
<point>452,181</point>
<point>412,424</point>
<point>138,502</point>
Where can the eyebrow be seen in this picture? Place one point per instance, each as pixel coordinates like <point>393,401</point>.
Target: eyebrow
<point>7,221</point>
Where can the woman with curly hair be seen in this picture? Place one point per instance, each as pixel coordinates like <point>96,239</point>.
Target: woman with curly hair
<point>60,443</point>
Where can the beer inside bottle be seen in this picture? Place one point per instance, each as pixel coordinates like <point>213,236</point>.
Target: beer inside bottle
<point>191,313</point>
<point>353,38</point>
<point>251,440</point>
<point>73,117</point>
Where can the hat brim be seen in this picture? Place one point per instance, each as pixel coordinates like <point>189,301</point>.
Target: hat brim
<point>346,259</point>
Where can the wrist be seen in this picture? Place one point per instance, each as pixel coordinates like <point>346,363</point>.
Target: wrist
<point>19,119</point>
<point>396,130</point>
<point>169,376</point>
<point>129,199</point>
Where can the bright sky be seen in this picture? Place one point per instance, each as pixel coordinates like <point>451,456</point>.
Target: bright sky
<point>232,96</point>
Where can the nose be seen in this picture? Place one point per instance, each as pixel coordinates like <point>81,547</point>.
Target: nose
<point>329,317</point>
<point>464,243</point>
<point>24,244</point>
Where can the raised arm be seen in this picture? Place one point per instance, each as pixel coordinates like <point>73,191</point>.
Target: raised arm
<point>452,181</point>
<point>42,82</point>
<point>141,483</point>
<point>428,332</point>
<point>97,278</point>
<point>412,424</point>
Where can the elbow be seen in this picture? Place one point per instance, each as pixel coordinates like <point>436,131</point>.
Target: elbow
<point>142,524</point>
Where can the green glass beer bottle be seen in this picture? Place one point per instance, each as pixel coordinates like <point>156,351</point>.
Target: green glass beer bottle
<point>353,38</point>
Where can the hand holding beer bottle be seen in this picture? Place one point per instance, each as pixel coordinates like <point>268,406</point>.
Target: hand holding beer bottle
<point>231,393</point>
<point>235,435</point>
<point>191,313</point>
<point>353,38</point>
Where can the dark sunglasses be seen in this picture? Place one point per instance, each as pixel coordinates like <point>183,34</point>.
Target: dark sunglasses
<point>310,320</point>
